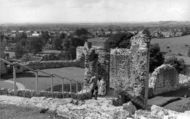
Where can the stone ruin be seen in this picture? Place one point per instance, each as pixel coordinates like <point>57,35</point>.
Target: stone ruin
<point>96,62</point>
<point>122,69</point>
<point>129,69</point>
<point>165,78</point>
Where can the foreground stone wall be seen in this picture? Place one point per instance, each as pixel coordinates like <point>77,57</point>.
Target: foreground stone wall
<point>164,79</point>
<point>129,69</point>
<point>92,109</point>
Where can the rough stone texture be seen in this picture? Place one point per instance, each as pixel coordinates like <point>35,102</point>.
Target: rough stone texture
<point>91,61</point>
<point>184,80</point>
<point>164,79</point>
<point>119,68</point>
<point>92,67</point>
<point>103,66</point>
<point>129,68</point>
<point>129,107</point>
<point>89,109</point>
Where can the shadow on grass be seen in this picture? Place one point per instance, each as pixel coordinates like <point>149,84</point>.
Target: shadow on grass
<point>182,92</point>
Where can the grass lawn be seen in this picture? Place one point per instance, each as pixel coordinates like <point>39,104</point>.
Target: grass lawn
<point>180,105</point>
<point>6,85</point>
<point>14,112</point>
<point>176,45</point>
<point>174,100</point>
<point>28,78</point>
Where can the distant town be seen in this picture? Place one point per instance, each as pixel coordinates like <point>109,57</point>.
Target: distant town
<point>62,37</point>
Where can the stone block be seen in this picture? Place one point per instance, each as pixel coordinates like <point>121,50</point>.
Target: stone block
<point>129,107</point>
<point>129,68</point>
<point>164,79</point>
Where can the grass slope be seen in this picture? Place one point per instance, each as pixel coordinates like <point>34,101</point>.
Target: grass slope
<point>176,45</point>
<point>29,81</point>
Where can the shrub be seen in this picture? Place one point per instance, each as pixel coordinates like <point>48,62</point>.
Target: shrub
<point>156,57</point>
<point>179,64</point>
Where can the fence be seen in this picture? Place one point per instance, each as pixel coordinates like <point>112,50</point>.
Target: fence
<point>51,75</point>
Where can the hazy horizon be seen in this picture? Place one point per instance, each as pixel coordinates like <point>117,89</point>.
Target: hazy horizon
<point>93,11</point>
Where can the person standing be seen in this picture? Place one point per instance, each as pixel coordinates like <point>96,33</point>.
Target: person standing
<point>94,87</point>
<point>102,87</point>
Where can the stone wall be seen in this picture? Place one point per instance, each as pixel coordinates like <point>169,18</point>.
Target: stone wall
<point>119,68</point>
<point>164,79</point>
<point>129,69</point>
<point>79,52</point>
<point>101,67</point>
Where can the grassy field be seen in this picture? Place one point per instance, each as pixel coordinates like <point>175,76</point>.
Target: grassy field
<point>14,112</point>
<point>28,78</point>
<point>178,100</point>
<point>6,85</point>
<point>176,45</point>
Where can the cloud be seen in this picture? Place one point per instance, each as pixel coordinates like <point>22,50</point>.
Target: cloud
<point>93,10</point>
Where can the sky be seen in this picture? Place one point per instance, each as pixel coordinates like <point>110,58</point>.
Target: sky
<point>93,11</point>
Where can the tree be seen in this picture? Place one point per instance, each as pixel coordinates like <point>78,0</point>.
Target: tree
<point>120,40</point>
<point>179,64</point>
<point>81,32</point>
<point>35,45</point>
<point>20,36</point>
<point>76,41</point>
<point>66,44</point>
<point>20,50</point>
<point>57,43</point>
<point>45,36</point>
<point>156,57</point>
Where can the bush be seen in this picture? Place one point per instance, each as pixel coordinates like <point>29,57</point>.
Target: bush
<point>156,57</point>
<point>179,64</point>
<point>120,40</point>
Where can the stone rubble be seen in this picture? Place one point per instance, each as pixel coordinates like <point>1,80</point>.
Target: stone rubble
<point>184,80</point>
<point>93,109</point>
<point>129,107</point>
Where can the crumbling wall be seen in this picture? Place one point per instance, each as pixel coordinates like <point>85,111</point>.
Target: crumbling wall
<point>164,79</point>
<point>120,61</point>
<point>129,69</point>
